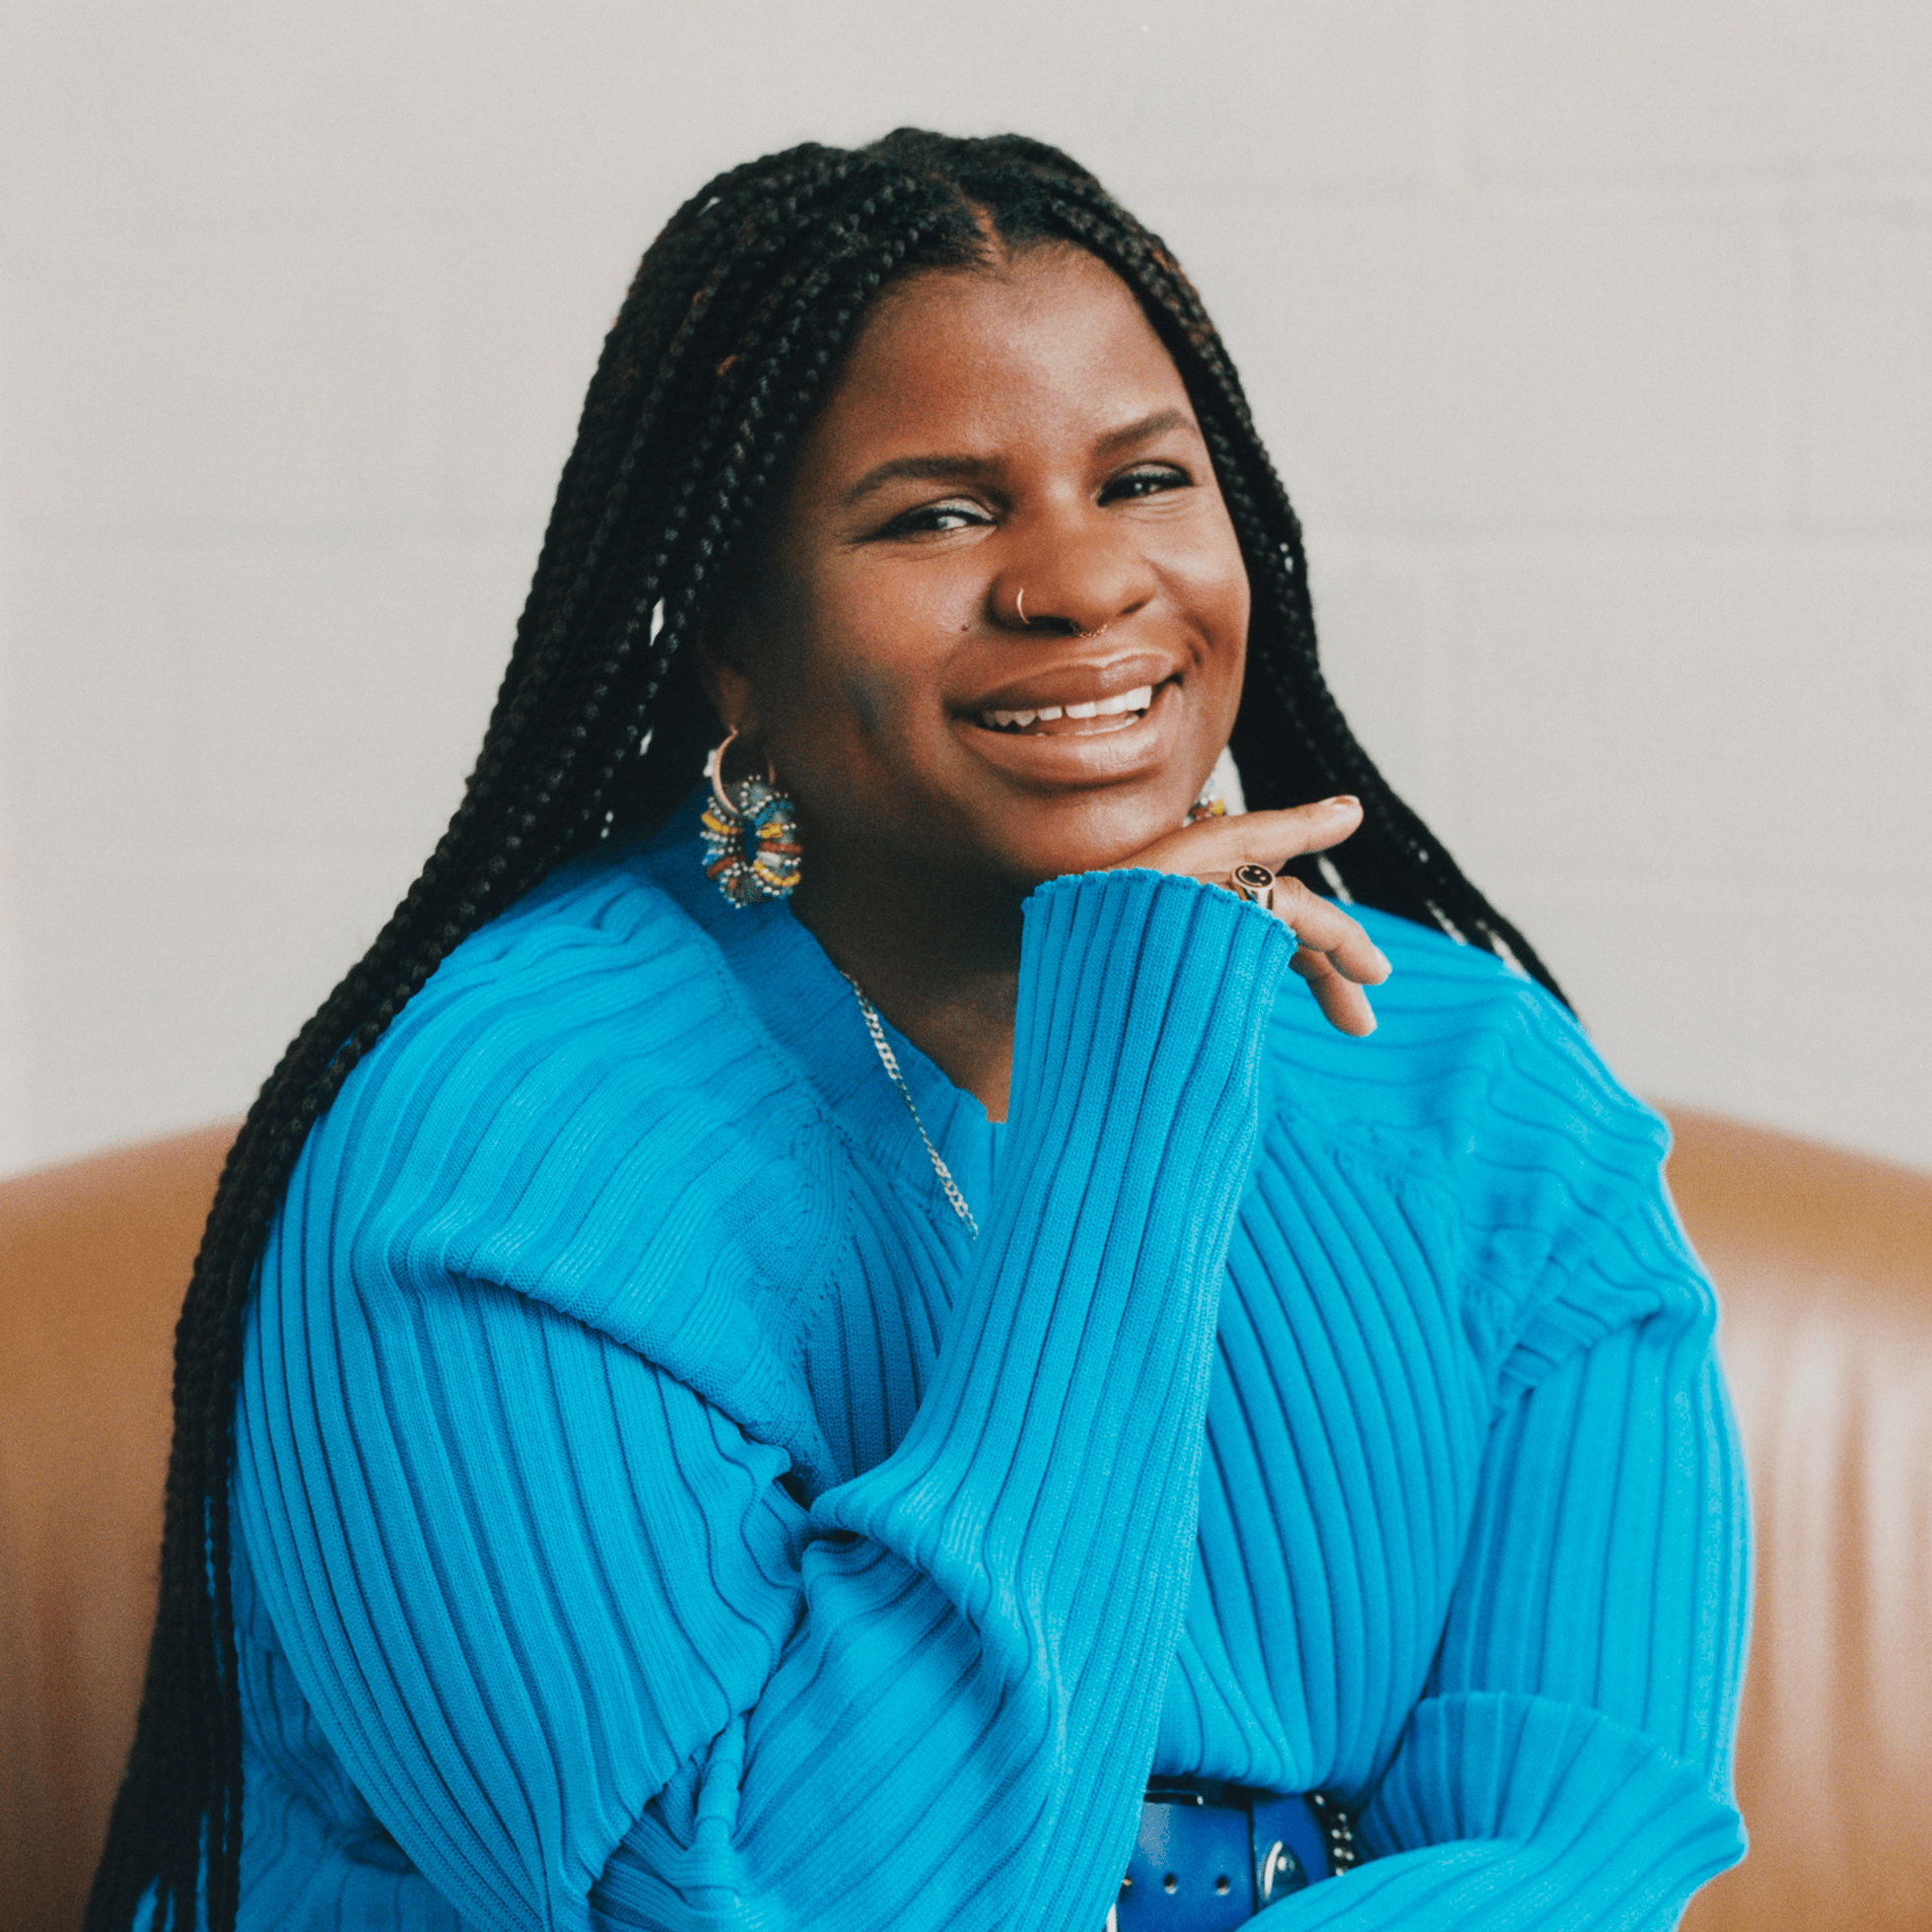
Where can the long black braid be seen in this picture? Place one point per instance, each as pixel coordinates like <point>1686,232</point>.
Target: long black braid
<point>738,315</point>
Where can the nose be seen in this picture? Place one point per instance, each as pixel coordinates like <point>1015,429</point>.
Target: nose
<point>1073,580</point>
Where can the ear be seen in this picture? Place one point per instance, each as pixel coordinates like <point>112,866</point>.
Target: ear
<point>722,674</point>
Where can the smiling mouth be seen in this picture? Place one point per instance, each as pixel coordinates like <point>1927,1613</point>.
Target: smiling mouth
<point>1090,719</point>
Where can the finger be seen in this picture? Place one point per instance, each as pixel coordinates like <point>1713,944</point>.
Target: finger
<point>1344,1005</point>
<point>1263,838</point>
<point>1327,931</point>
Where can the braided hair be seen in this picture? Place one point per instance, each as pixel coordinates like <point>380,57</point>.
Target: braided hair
<point>739,317</point>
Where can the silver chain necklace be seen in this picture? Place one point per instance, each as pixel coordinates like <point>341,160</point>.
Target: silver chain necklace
<point>890,1062</point>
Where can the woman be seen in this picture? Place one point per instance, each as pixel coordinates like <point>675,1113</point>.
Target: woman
<point>710,1403</point>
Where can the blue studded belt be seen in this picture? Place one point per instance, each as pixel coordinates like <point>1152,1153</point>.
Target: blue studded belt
<point>1212,1855</point>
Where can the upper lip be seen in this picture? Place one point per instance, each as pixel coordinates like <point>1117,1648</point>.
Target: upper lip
<point>1074,683</point>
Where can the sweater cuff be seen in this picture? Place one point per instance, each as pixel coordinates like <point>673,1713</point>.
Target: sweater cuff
<point>1143,986</point>
<point>1528,1813</point>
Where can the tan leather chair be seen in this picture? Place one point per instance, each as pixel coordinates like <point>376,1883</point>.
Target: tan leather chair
<point>1825,1266</point>
<point>93,1258</point>
<point>1825,1260</point>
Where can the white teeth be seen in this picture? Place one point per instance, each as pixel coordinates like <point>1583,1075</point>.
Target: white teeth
<point>1139,699</point>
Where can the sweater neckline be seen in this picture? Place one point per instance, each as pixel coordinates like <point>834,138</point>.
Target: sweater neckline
<point>805,1006</point>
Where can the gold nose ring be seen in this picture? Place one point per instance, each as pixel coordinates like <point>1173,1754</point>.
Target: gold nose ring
<point>1020,604</point>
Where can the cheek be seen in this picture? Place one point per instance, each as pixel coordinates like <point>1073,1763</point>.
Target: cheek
<point>877,649</point>
<point>867,696</point>
<point>1218,589</point>
<point>838,720</point>
<point>1222,603</point>
<point>1236,595</point>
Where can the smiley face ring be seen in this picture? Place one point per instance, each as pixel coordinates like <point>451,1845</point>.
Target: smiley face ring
<point>1254,883</point>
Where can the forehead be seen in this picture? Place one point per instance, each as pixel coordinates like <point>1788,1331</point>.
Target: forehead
<point>1046,347</point>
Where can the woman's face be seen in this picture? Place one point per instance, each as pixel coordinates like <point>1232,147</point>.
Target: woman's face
<point>1004,508</point>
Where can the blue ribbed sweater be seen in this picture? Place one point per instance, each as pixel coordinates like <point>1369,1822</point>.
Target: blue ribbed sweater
<point>651,1509</point>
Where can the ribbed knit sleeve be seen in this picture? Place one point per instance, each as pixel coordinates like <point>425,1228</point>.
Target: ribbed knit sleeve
<point>550,1558</point>
<point>1567,1765</point>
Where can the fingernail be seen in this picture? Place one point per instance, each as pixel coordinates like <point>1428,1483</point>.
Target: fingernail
<point>1346,802</point>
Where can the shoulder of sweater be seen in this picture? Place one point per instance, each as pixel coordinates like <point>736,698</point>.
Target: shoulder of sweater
<point>1468,1054</point>
<point>1483,1089</point>
<point>576,1106</point>
<point>598,964</point>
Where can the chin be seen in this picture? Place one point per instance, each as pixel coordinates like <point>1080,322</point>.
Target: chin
<point>1087,836</point>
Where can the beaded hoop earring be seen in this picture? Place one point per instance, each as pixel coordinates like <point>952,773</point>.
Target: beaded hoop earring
<point>1222,794</point>
<point>751,831</point>
<point>1210,803</point>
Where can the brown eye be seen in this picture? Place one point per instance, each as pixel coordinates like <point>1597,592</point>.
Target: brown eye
<point>1147,481</point>
<point>954,513</point>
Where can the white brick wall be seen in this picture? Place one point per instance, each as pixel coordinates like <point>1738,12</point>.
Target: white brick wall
<point>1592,340</point>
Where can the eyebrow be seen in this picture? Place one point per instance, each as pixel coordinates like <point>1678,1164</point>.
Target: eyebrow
<point>939,468</point>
